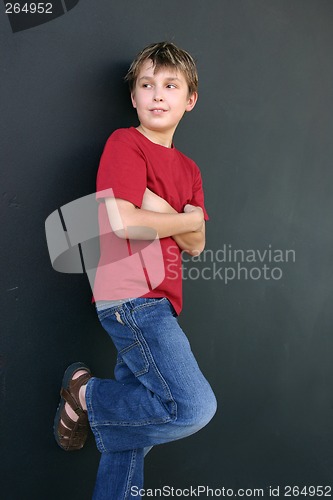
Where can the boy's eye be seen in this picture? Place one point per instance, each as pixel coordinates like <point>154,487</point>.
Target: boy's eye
<point>149,85</point>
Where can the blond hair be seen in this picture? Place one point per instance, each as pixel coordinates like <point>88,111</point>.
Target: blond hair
<point>165,55</point>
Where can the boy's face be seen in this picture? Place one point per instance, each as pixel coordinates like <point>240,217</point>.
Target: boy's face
<point>161,99</point>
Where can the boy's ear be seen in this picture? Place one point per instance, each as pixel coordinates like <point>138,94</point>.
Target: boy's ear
<point>133,99</point>
<point>192,100</point>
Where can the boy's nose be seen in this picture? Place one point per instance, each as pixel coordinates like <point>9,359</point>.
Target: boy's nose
<point>158,95</point>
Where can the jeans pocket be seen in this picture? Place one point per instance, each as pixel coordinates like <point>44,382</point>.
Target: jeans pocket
<point>135,358</point>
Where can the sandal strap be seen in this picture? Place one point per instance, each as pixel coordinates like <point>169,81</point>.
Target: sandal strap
<point>67,396</point>
<point>75,384</point>
<point>71,395</point>
<point>70,423</point>
<point>71,439</point>
<point>65,432</point>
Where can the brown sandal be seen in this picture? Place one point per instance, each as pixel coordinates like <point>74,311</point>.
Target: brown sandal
<point>71,435</point>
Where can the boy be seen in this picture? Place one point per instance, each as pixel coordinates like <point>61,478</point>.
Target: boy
<point>158,394</point>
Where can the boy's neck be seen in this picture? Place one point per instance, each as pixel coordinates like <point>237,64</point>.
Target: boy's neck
<point>161,138</point>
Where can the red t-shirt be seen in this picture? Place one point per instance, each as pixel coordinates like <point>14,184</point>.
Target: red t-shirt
<point>130,162</point>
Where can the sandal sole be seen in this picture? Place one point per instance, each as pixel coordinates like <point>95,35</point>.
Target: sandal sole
<point>68,375</point>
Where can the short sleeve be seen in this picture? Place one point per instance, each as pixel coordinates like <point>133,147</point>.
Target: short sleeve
<point>122,169</point>
<point>198,194</point>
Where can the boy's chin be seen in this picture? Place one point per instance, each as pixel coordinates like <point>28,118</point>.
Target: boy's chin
<point>159,127</point>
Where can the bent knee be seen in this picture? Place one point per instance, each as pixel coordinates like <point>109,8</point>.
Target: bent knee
<point>209,408</point>
<point>200,413</point>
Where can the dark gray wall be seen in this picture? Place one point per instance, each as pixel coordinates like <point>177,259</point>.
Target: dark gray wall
<point>262,135</point>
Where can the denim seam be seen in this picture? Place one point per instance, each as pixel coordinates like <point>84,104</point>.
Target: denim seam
<point>136,343</point>
<point>129,348</point>
<point>120,361</point>
<point>130,473</point>
<point>142,423</point>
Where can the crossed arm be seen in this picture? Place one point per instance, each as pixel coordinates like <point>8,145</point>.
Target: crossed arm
<point>192,242</point>
<point>186,228</point>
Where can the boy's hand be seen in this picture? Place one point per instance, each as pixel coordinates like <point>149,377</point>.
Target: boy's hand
<point>190,208</point>
<point>193,242</point>
<point>199,215</point>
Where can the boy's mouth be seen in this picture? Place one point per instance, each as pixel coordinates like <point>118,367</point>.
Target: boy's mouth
<point>158,110</point>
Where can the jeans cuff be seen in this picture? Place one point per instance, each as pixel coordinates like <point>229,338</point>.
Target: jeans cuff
<point>89,391</point>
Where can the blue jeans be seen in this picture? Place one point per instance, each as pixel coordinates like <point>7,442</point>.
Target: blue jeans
<point>158,395</point>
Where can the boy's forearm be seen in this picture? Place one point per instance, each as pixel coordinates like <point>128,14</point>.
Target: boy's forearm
<point>192,242</point>
<point>165,224</point>
<point>123,214</point>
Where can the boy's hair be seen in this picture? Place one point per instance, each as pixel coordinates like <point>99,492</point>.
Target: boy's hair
<point>165,55</point>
